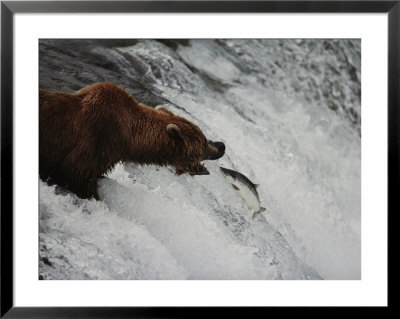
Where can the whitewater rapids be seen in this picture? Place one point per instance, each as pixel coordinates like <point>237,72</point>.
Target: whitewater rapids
<point>289,114</point>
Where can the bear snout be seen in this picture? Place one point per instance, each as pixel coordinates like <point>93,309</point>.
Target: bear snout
<point>216,150</point>
<point>220,146</point>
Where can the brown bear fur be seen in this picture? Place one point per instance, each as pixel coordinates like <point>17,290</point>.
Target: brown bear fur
<point>84,134</point>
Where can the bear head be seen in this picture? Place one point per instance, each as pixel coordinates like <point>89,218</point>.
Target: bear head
<point>189,145</point>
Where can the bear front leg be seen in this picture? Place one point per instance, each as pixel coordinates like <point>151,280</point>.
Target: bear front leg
<point>78,175</point>
<point>83,188</point>
<point>87,189</point>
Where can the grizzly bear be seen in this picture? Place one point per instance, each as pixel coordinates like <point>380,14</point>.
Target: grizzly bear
<point>83,135</point>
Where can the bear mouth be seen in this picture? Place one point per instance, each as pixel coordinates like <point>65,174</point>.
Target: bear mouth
<point>198,169</point>
<point>202,170</point>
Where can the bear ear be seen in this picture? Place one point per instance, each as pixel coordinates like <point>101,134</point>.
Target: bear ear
<point>163,109</point>
<point>174,131</point>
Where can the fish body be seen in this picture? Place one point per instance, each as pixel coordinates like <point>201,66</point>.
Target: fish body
<point>246,190</point>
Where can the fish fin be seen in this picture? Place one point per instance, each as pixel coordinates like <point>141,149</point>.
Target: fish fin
<point>256,186</point>
<point>262,209</point>
<point>235,187</point>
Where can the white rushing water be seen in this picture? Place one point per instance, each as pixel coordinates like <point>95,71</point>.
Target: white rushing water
<point>276,106</point>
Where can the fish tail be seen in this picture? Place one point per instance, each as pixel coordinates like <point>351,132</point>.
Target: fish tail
<point>262,209</point>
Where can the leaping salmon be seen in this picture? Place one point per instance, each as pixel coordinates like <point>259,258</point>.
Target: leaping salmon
<point>246,190</point>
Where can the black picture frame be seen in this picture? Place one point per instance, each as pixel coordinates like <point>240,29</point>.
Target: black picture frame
<point>9,8</point>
